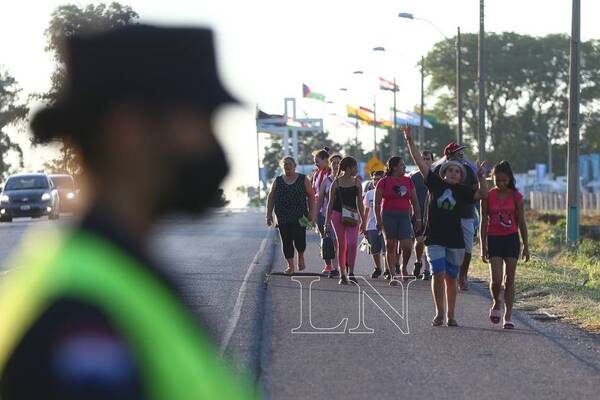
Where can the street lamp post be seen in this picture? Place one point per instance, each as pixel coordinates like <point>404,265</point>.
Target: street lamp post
<point>459,103</point>
<point>356,124</point>
<point>422,113</point>
<point>394,134</point>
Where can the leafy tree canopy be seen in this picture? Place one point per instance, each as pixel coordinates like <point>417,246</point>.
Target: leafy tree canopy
<point>526,91</point>
<point>11,111</point>
<point>67,20</point>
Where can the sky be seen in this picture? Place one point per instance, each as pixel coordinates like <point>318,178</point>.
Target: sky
<point>268,48</point>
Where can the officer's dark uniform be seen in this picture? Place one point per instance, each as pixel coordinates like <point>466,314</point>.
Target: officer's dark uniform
<point>85,314</point>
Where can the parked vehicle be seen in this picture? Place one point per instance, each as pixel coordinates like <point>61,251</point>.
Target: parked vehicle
<point>29,195</point>
<point>68,194</point>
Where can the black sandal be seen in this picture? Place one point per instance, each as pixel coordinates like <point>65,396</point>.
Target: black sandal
<point>437,321</point>
<point>376,273</point>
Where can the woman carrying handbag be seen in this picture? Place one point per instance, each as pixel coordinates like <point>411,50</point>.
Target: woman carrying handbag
<point>344,212</point>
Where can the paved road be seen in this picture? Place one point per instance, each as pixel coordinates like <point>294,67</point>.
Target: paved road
<point>209,258</point>
<point>539,360</point>
<point>220,262</point>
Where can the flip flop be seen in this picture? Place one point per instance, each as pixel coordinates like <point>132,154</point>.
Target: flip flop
<point>452,323</point>
<point>437,321</point>
<point>508,324</point>
<point>495,316</point>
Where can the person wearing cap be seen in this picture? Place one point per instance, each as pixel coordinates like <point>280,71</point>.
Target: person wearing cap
<point>445,246</point>
<point>455,152</point>
<point>88,314</point>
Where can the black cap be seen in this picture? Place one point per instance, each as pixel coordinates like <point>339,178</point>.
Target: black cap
<point>154,65</point>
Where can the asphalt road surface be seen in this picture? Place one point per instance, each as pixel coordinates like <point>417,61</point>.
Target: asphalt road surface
<point>288,336</point>
<point>219,262</point>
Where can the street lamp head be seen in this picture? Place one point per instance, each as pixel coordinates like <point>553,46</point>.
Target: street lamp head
<point>379,48</point>
<point>406,15</point>
<point>358,72</point>
<point>343,89</point>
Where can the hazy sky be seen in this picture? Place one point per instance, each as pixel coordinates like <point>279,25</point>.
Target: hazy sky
<point>268,48</point>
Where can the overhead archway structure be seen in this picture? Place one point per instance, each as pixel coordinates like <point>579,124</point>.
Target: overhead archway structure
<point>283,126</point>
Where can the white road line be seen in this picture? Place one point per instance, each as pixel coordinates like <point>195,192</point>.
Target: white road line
<point>237,308</point>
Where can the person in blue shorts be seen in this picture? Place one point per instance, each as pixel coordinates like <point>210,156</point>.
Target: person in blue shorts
<point>445,245</point>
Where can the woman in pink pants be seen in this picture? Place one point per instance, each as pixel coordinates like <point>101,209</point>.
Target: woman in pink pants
<point>345,211</point>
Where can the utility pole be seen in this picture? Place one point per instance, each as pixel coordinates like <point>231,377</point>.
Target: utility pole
<point>573,149</point>
<point>421,128</point>
<point>459,102</point>
<point>394,149</point>
<point>481,81</point>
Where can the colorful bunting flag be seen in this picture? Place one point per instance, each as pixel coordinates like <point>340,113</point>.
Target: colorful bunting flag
<point>307,93</point>
<point>367,116</point>
<point>384,84</point>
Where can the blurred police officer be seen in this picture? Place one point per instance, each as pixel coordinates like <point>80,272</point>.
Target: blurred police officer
<point>90,315</point>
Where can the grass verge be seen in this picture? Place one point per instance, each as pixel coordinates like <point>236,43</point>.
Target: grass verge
<point>558,283</point>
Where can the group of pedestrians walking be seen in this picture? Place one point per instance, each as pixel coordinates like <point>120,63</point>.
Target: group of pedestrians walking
<point>431,211</point>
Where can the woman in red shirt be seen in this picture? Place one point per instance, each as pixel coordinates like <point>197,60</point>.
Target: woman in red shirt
<point>394,196</point>
<point>502,218</point>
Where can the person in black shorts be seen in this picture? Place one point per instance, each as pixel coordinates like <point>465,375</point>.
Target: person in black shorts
<point>502,217</point>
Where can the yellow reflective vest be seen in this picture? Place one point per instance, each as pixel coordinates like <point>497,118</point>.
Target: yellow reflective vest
<point>177,361</point>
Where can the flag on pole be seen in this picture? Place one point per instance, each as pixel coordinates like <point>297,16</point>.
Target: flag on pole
<point>367,116</point>
<point>352,112</point>
<point>384,84</point>
<point>307,93</point>
<point>411,118</point>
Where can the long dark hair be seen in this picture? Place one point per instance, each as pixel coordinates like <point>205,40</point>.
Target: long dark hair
<point>391,164</point>
<point>505,168</point>
<point>347,162</point>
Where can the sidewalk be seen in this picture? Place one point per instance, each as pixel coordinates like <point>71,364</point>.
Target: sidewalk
<point>538,360</point>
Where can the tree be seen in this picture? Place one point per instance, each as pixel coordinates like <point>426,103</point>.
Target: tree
<point>526,90</point>
<point>349,148</point>
<point>11,111</point>
<point>272,157</point>
<point>65,21</point>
